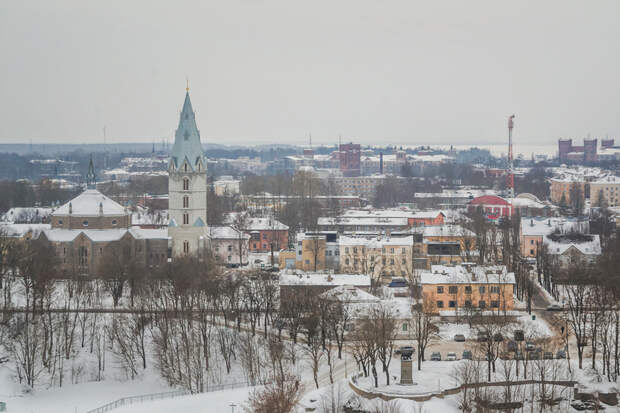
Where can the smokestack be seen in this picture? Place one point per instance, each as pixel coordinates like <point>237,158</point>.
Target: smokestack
<point>381,163</point>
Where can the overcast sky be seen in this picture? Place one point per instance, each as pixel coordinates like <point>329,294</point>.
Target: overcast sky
<point>403,72</point>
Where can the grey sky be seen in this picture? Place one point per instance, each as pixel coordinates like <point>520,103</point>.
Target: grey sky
<point>406,72</point>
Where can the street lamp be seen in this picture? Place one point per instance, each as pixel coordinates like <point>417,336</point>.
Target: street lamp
<point>232,406</point>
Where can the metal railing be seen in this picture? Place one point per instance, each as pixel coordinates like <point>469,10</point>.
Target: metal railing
<point>127,401</point>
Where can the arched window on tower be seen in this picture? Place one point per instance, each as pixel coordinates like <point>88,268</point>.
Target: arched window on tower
<point>185,167</point>
<point>186,201</point>
<point>186,184</point>
<point>185,219</point>
<point>186,247</point>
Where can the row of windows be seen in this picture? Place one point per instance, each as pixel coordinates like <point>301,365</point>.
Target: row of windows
<point>363,249</point>
<point>453,289</point>
<point>85,222</point>
<point>468,304</point>
<point>372,260</point>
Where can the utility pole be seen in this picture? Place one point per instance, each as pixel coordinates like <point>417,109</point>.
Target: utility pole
<point>511,175</point>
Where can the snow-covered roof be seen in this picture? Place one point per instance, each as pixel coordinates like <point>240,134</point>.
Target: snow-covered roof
<point>349,294</point>
<point>371,220</point>
<point>104,235</point>
<point>321,279</point>
<point>262,224</point>
<point>587,244</point>
<point>375,242</point>
<point>447,231</point>
<point>88,204</point>
<point>26,214</point>
<point>539,226</point>
<point>226,232</point>
<point>610,179</point>
<point>19,230</point>
<point>467,274</point>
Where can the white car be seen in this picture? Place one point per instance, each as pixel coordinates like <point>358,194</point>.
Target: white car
<point>451,356</point>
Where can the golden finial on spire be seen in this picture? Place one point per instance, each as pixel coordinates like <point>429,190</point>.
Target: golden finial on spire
<point>187,84</point>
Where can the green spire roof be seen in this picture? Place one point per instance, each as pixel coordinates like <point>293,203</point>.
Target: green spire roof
<point>187,139</point>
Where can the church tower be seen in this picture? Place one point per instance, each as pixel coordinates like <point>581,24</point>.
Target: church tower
<point>187,187</point>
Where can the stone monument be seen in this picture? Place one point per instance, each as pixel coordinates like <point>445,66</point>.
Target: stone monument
<point>406,368</point>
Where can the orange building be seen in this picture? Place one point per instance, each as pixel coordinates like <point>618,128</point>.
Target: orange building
<point>467,287</point>
<point>561,187</point>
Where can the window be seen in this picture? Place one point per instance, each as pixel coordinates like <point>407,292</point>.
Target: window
<point>439,290</point>
<point>482,304</point>
<point>346,261</point>
<point>186,219</point>
<point>531,242</point>
<point>453,289</point>
<point>494,289</point>
<point>355,261</point>
<point>383,261</point>
<point>354,250</point>
<point>439,304</point>
<point>229,258</point>
<point>83,255</point>
<point>346,250</point>
<point>495,304</point>
<point>467,303</point>
<point>185,201</point>
<point>230,248</point>
<point>452,304</point>
<point>60,222</point>
<point>468,289</point>
<point>186,247</point>
<point>391,261</point>
<point>404,326</point>
<point>264,235</point>
<point>186,184</point>
<point>254,246</point>
<point>114,222</point>
<point>185,166</point>
<point>391,250</point>
<point>264,246</point>
<point>85,223</point>
<point>403,251</point>
<point>531,252</point>
<point>307,262</point>
<point>372,258</point>
<point>404,261</point>
<point>217,248</point>
<point>481,289</point>
<point>337,252</point>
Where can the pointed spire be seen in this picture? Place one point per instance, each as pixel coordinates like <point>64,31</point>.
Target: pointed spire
<point>90,176</point>
<point>187,140</point>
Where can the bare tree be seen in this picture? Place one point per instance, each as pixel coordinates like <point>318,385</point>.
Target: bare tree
<point>424,330</point>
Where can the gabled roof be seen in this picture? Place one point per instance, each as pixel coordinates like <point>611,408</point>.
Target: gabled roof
<point>187,146</point>
<point>226,232</point>
<point>88,204</point>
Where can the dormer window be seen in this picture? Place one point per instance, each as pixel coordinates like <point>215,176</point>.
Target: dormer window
<point>114,222</point>
<point>60,222</point>
<point>85,223</point>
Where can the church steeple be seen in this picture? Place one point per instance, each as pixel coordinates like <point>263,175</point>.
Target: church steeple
<point>91,178</point>
<point>187,147</point>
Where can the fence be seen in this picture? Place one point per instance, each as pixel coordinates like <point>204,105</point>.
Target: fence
<point>128,401</point>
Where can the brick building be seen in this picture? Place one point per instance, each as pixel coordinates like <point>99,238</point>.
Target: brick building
<point>350,155</point>
<point>569,152</point>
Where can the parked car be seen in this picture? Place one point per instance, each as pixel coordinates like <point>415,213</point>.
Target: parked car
<point>482,336</point>
<point>529,346</point>
<point>533,355</point>
<point>398,283</point>
<point>561,354</point>
<point>451,356</point>
<point>404,350</point>
<point>436,356</point>
<point>519,335</point>
<point>555,307</point>
<point>511,346</point>
<point>467,355</point>
<point>459,337</point>
<point>547,355</point>
<point>498,337</point>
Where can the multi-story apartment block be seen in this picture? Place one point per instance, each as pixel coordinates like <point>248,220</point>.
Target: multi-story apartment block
<point>607,188</point>
<point>469,287</point>
<point>534,229</point>
<point>380,257</point>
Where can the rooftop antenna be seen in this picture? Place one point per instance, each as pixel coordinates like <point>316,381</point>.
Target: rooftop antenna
<point>187,84</point>
<point>310,137</point>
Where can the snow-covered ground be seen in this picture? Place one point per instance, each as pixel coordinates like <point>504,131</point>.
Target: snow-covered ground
<point>533,328</point>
